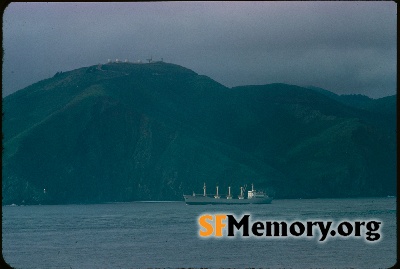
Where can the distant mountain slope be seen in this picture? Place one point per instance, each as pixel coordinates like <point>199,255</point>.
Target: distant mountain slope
<point>380,112</point>
<point>123,132</point>
<point>384,105</point>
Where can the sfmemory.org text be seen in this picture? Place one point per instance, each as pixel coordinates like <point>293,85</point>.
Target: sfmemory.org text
<point>226,225</point>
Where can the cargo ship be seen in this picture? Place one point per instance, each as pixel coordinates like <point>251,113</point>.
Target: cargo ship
<point>253,197</point>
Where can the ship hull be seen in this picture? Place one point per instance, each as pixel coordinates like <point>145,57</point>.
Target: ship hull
<point>205,200</point>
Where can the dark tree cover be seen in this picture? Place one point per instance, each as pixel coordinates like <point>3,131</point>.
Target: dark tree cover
<point>125,132</point>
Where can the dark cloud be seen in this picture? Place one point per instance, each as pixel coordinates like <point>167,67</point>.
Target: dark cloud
<point>345,47</point>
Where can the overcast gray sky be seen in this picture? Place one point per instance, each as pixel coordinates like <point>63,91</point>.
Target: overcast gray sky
<point>344,47</point>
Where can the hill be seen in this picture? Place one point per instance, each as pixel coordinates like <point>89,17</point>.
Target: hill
<point>124,132</point>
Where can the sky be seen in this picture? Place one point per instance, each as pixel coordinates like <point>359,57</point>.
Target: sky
<point>344,47</point>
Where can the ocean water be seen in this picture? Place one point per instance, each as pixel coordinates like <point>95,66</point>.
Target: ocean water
<point>143,235</point>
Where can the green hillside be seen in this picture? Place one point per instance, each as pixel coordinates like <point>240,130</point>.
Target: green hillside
<point>124,132</point>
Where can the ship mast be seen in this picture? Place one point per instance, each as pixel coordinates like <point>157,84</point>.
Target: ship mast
<point>229,193</point>
<point>241,193</point>
<point>204,188</point>
<point>217,196</point>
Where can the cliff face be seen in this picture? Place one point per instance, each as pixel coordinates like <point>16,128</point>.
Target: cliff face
<point>123,132</point>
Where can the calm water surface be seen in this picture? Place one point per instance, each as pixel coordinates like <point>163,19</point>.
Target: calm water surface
<point>142,235</point>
